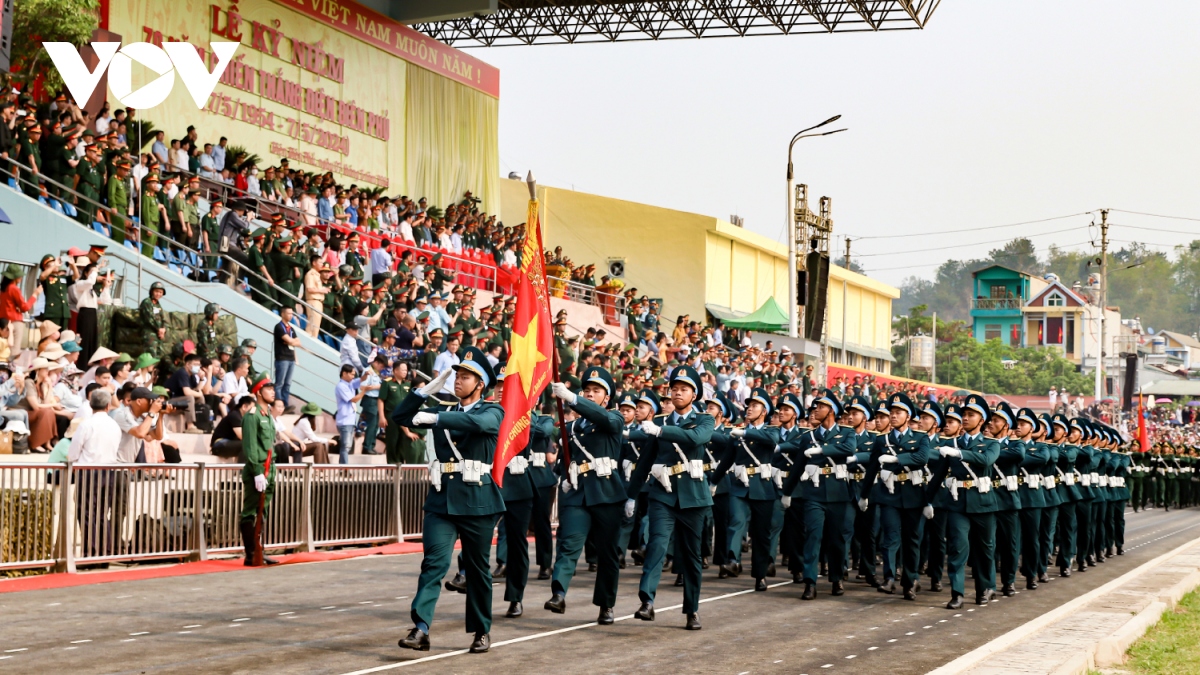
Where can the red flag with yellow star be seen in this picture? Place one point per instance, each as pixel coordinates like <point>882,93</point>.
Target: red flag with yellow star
<point>529,350</point>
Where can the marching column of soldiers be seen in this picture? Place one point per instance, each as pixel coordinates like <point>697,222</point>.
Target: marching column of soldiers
<point>889,493</point>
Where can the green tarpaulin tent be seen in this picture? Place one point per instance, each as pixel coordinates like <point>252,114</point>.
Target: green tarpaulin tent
<point>770,318</point>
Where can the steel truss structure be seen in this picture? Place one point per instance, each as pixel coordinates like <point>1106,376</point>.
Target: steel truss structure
<point>540,22</point>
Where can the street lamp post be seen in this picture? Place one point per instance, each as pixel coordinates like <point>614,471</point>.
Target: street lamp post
<point>793,304</point>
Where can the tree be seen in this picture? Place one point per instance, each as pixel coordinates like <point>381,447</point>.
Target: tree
<point>38,21</point>
<point>854,266</point>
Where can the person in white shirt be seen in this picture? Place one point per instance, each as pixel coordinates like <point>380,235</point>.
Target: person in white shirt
<point>406,230</point>
<point>1053,396</point>
<point>303,432</point>
<point>446,361</point>
<point>234,382</point>
<point>98,436</point>
<point>252,184</point>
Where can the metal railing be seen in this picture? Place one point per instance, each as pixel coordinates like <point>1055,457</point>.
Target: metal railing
<point>998,303</point>
<point>64,515</point>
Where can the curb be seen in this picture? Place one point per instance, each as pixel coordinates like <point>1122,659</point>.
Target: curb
<point>1104,642</point>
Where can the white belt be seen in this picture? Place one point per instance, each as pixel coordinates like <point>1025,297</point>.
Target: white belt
<point>1095,478</point>
<point>537,459</point>
<point>1103,481</point>
<point>517,465</point>
<point>472,471</point>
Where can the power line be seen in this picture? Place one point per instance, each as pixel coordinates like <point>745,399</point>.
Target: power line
<point>1156,229</point>
<point>974,243</point>
<point>1157,215</point>
<point>939,264</point>
<point>972,229</point>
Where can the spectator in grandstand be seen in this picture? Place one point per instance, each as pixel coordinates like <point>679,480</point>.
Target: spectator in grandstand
<point>98,437</point>
<point>227,437</point>
<point>346,394</point>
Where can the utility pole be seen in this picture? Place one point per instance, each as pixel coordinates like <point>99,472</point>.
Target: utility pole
<point>933,369</point>
<point>847,259</point>
<point>1103,300</point>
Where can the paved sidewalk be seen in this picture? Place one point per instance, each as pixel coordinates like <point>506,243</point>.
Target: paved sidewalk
<point>1093,631</point>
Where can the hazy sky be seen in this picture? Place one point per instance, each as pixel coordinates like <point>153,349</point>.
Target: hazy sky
<point>999,112</point>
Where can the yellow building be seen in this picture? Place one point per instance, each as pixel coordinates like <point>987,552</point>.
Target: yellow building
<point>700,265</point>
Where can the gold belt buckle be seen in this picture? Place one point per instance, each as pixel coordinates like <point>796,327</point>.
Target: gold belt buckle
<point>585,467</point>
<point>902,476</point>
<point>751,470</point>
<point>677,469</point>
<point>708,467</point>
<point>784,474</point>
<point>968,484</point>
<point>450,467</point>
<point>825,471</point>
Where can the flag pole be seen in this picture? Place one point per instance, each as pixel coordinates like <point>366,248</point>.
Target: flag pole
<point>531,182</point>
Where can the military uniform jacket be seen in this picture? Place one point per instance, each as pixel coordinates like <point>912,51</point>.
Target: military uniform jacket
<point>258,443</point>
<point>1052,491</point>
<point>837,443</point>
<point>936,493</point>
<point>519,486</point>
<point>789,453</point>
<point>206,340</point>
<point>864,444</point>
<point>720,449</point>
<point>118,195</point>
<point>913,451</point>
<point>690,435</point>
<point>541,433</point>
<point>598,432</point>
<point>1083,465</point>
<point>759,442</point>
<point>1008,465</point>
<point>975,465</point>
<point>1120,463</point>
<point>151,316</point>
<point>474,433</point>
<point>1067,456</point>
<point>1035,457</point>
<point>632,446</point>
<point>54,289</point>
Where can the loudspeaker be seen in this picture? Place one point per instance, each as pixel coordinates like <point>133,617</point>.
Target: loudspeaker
<point>1131,372</point>
<point>616,268</point>
<point>818,290</point>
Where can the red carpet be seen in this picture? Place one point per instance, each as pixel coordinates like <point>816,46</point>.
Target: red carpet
<point>46,581</point>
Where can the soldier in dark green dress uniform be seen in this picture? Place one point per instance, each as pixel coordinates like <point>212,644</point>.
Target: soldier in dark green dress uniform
<point>545,483</point>
<point>463,500</point>
<point>1033,499</point>
<point>258,467</point>
<point>29,153</point>
<point>939,497</point>
<point>53,280</point>
<point>288,270</point>
<point>1066,532</point>
<point>899,460</point>
<point>1081,438</point>
<point>678,496</point>
<point>971,525</point>
<point>88,181</point>
<point>116,191</point>
<point>400,449</point>
<point>1052,494</point>
<point>206,334</point>
<point>153,215</point>
<point>722,448</point>
<point>821,473</point>
<point>752,488</point>
<point>152,320</point>
<point>1138,478</point>
<point>593,492</point>
<point>262,282</point>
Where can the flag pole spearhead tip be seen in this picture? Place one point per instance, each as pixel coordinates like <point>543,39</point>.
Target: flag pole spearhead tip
<point>532,182</point>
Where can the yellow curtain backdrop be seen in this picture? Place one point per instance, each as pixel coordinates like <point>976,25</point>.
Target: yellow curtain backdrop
<point>452,141</point>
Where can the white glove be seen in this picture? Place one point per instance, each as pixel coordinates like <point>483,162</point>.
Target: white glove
<point>950,452</point>
<point>651,428</point>
<point>435,385</point>
<point>563,392</point>
<point>625,434</point>
<point>812,452</point>
<point>851,459</point>
<point>737,432</point>
<point>927,512</point>
<point>630,505</point>
<point>260,483</point>
<point>862,505</point>
<point>712,490</point>
<point>786,500</point>
<point>888,459</point>
<point>425,419</point>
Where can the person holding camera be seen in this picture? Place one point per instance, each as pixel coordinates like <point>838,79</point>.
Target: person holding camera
<point>140,421</point>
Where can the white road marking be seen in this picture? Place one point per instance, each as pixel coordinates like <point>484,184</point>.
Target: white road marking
<point>779,661</point>
<point>957,615</point>
<point>285,613</point>
<point>233,625</point>
<point>813,649</point>
<point>195,625</point>
<point>79,642</point>
<point>11,651</point>
<point>330,607</point>
<point>852,656</point>
<point>942,621</point>
<point>184,632</point>
<point>401,597</point>
<point>849,637</point>
<point>744,672</point>
<point>242,619</point>
<point>5,657</point>
<point>827,665</point>
<point>366,602</point>
<point>926,627</point>
<point>342,610</point>
<point>874,627</point>
<point>129,640</point>
<point>122,597</point>
<point>892,640</point>
<point>911,633</point>
<point>69,648</point>
<point>291,617</point>
<point>871,649</point>
<point>54,604</point>
<point>141,633</point>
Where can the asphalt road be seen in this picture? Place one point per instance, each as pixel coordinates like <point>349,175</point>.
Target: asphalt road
<point>345,617</point>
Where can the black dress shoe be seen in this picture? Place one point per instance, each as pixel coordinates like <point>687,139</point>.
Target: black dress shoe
<point>909,594</point>
<point>1042,578</point>
<point>1112,551</point>
<point>985,597</point>
<point>678,580</point>
<point>810,591</point>
<point>797,578</point>
<point>1082,566</point>
<point>771,570</point>
<point>838,588</point>
<point>823,571</point>
<point>417,639</point>
<point>916,587</point>
<point>1031,584</point>
<point>888,587</point>
<point>514,610</point>
<point>935,586</point>
<point>638,556</point>
<point>704,563</point>
<point>621,562</point>
<point>737,566</point>
<point>645,612</point>
<point>557,603</point>
<point>693,622</point>
<point>543,574</point>
<point>591,567</point>
<point>723,572</point>
<point>872,581</point>
<point>1091,561</point>
<point>458,583</point>
<point>956,601</point>
<point>482,643</point>
<point>606,616</point>
<point>760,585</point>
<point>1008,590</point>
<point>269,561</point>
<point>1120,550</point>
<point>1100,557</point>
<point>501,570</point>
<point>1064,571</point>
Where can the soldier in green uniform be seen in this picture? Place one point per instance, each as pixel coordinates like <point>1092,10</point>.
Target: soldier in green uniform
<point>1069,492</point>
<point>258,469</point>
<point>593,492</point>
<point>262,282</point>
<point>116,191</point>
<point>391,392</point>
<point>898,460</point>
<point>289,270</point>
<point>1052,494</point>
<point>679,498</point>
<point>971,522</point>
<point>1083,506</point>
<point>822,475</point>
<point>66,160</point>
<point>29,153</point>
<point>1033,499</point>
<point>1096,469</point>
<point>1173,467</point>
<point>721,449</point>
<point>87,182</point>
<point>938,496</point>
<point>1138,472</point>
<point>206,334</point>
<point>53,282</point>
<point>210,228</point>
<point>152,320</point>
<point>865,521</point>
<point>153,215</point>
<point>463,500</point>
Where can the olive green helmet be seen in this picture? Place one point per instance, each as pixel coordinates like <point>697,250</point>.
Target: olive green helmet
<point>157,286</point>
<point>225,349</point>
<point>249,344</point>
<point>211,308</point>
<point>345,270</point>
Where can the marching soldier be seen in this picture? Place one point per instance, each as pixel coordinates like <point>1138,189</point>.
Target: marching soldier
<point>679,496</point>
<point>541,462</point>
<point>627,406</point>
<point>1083,506</point>
<point>1138,472</point>
<point>1052,494</point>
<point>1119,465</point>
<point>939,497</point>
<point>153,320</point>
<point>864,521</point>
<point>1070,492</point>
<point>593,491</point>
<point>1006,486</point>
<point>258,469</point>
<point>1030,493</point>
<point>720,449</point>
<point>788,530</point>
<point>752,492</point>
<point>825,488</point>
<point>898,460</point>
<point>971,522</point>
<point>463,501</point>
<point>647,406</point>
<point>1099,470</point>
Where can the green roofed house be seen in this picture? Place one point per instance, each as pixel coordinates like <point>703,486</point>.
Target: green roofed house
<point>997,295</point>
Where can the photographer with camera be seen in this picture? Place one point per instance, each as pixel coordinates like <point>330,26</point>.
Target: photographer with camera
<point>140,421</point>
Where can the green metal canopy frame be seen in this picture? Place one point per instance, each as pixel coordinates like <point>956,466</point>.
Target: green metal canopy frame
<point>770,317</point>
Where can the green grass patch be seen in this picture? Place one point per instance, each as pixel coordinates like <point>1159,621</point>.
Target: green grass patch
<point>1173,645</point>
